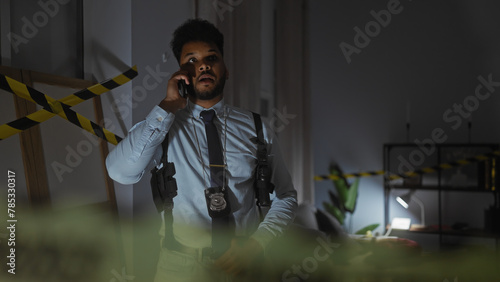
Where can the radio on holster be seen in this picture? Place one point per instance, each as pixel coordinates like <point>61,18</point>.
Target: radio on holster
<point>263,173</point>
<point>164,189</point>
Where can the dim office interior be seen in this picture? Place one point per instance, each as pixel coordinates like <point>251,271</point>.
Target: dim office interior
<point>386,114</point>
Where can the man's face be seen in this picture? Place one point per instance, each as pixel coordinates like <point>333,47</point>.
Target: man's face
<point>206,69</point>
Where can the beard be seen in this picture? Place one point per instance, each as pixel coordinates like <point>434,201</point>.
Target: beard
<point>207,94</point>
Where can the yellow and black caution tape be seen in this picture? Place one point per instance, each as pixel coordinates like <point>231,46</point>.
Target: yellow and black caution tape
<point>430,169</point>
<point>348,175</point>
<point>61,107</point>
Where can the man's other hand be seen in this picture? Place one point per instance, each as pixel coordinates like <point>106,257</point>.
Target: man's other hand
<point>239,256</point>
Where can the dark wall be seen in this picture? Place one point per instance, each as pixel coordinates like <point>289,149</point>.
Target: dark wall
<point>426,59</point>
<point>46,36</point>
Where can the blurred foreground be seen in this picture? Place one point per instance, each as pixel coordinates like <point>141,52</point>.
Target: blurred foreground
<point>88,246</point>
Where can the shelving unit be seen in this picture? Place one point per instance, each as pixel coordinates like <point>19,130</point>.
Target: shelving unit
<point>460,187</point>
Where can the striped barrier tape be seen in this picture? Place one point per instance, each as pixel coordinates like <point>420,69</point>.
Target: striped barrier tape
<point>61,107</point>
<point>431,169</point>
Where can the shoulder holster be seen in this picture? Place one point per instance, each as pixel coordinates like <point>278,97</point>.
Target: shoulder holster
<point>164,185</point>
<point>164,189</point>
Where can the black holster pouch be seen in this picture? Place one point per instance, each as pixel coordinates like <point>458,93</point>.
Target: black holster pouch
<point>263,185</point>
<point>164,189</point>
<point>163,186</point>
<point>263,173</point>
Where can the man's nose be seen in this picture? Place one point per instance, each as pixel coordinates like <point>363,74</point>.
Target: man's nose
<point>204,66</point>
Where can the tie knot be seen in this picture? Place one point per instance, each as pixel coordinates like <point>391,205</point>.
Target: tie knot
<point>208,116</point>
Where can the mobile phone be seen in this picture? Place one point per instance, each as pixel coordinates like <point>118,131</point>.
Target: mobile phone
<point>182,88</point>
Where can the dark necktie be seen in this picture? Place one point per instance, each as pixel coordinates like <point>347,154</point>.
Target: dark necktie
<point>222,227</point>
<point>214,149</point>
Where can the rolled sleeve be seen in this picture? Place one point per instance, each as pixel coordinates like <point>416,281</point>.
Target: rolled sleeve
<point>127,162</point>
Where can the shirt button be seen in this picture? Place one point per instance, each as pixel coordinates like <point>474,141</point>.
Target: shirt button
<point>159,119</point>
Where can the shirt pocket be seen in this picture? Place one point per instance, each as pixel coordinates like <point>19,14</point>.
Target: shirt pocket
<point>241,165</point>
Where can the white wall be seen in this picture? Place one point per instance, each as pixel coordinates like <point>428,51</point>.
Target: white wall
<point>107,53</point>
<point>428,56</point>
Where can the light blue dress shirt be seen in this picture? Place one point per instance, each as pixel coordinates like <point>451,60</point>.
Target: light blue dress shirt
<point>188,150</point>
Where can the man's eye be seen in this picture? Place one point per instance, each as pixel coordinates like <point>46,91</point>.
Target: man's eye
<point>212,58</point>
<point>192,60</point>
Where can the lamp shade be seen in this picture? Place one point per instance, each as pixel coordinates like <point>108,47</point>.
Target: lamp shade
<point>405,199</point>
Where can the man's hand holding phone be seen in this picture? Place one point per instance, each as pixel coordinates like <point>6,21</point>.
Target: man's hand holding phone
<point>174,101</point>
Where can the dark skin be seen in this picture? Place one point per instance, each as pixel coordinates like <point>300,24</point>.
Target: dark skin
<point>202,64</point>
<point>196,59</point>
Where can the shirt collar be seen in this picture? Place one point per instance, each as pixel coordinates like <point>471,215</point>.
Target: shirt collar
<point>197,109</point>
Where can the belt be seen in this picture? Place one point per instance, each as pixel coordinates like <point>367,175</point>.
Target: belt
<point>200,253</point>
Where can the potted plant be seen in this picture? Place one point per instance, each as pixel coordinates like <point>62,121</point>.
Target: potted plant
<point>344,200</point>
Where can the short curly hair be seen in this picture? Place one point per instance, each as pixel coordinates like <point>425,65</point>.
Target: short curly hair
<point>196,30</point>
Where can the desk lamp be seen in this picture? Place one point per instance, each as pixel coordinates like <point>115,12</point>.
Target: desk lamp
<point>405,200</point>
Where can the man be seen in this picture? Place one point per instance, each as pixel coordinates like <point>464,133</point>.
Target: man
<point>198,47</point>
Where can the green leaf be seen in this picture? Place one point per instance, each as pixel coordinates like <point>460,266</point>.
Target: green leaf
<point>370,227</point>
<point>334,211</point>
<point>340,184</point>
<point>336,202</point>
<point>352,196</point>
